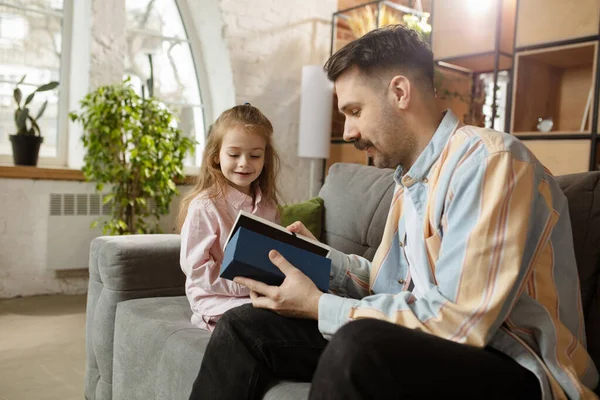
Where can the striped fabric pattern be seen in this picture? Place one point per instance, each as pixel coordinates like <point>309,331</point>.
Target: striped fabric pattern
<point>499,266</point>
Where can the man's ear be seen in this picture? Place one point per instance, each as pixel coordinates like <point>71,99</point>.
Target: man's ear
<point>400,88</point>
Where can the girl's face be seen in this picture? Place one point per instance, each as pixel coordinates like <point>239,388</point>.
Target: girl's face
<point>242,158</point>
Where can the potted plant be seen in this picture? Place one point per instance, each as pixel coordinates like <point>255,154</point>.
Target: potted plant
<point>28,139</point>
<point>134,146</point>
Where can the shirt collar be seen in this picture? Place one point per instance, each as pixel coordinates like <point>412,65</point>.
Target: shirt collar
<point>430,154</point>
<point>239,199</point>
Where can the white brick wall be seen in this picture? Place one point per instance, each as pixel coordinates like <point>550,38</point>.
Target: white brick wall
<point>25,206</point>
<point>23,237</point>
<point>268,41</point>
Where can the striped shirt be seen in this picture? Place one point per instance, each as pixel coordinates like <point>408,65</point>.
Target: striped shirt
<point>490,259</point>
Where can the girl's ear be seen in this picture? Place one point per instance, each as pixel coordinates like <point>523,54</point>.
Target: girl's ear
<point>217,159</point>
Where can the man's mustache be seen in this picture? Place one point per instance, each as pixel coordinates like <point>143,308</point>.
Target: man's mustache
<point>362,144</point>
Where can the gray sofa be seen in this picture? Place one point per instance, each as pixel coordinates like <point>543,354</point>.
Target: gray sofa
<point>141,345</point>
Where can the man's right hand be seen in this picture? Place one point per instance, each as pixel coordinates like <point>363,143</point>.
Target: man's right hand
<point>299,228</point>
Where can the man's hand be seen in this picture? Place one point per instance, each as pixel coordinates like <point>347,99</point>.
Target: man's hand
<point>296,297</point>
<point>299,228</point>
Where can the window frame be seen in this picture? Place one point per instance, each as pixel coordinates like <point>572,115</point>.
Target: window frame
<point>62,138</point>
<point>193,42</point>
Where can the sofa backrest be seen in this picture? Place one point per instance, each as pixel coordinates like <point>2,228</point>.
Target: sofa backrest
<point>583,193</point>
<point>357,200</point>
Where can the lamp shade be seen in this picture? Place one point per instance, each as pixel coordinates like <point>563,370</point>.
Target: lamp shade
<point>314,132</point>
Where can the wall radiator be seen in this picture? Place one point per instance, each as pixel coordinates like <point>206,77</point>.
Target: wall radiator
<point>69,233</point>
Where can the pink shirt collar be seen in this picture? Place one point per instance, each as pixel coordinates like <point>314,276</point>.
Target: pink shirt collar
<point>239,199</point>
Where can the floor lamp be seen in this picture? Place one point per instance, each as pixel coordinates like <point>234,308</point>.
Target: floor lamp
<point>314,131</point>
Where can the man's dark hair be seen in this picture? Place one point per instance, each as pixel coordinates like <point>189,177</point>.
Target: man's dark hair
<point>390,47</point>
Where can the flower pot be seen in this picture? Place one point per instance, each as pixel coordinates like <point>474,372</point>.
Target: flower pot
<point>26,149</point>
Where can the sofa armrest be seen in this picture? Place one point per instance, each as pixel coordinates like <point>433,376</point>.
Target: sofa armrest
<point>137,262</point>
<point>123,268</point>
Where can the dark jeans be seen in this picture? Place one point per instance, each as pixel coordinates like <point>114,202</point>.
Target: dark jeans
<point>250,349</point>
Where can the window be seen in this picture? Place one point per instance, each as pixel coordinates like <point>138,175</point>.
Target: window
<point>155,27</point>
<point>31,44</point>
<point>501,99</point>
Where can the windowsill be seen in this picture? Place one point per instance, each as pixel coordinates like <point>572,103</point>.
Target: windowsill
<point>55,174</point>
<point>45,173</point>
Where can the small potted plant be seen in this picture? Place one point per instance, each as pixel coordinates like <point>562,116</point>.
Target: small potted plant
<point>26,142</point>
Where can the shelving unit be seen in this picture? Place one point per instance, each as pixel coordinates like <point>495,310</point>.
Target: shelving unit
<point>549,21</point>
<point>345,152</point>
<point>359,17</point>
<point>562,156</point>
<point>454,81</point>
<point>471,35</point>
<point>547,51</point>
<point>475,38</point>
<point>555,82</point>
<point>557,76</point>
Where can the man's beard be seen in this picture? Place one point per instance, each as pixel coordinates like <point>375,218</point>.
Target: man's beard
<point>379,160</point>
<point>403,143</point>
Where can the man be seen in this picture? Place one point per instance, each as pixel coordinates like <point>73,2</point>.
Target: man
<point>473,292</point>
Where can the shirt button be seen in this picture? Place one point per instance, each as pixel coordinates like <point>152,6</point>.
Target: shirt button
<point>401,281</point>
<point>401,244</point>
<point>406,180</point>
<point>425,180</point>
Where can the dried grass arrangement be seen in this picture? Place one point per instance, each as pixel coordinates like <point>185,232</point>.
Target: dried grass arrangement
<point>365,20</point>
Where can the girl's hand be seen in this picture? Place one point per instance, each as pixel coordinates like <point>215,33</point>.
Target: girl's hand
<point>299,228</point>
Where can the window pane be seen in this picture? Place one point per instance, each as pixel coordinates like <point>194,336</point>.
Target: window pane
<point>155,27</point>
<point>30,44</point>
<point>501,98</point>
<point>160,17</point>
<point>174,73</point>
<point>191,122</point>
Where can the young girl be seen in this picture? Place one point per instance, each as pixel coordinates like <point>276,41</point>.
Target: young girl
<point>239,170</point>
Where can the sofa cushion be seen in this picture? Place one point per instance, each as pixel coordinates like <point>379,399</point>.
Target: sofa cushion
<point>156,347</point>
<point>158,352</point>
<point>309,212</point>
<point>357,200</point>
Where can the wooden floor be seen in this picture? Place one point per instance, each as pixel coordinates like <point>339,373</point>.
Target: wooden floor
<point>42,348</point>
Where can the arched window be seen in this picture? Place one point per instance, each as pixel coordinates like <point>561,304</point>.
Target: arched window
<point>155,28</point>
<point>31,44</point>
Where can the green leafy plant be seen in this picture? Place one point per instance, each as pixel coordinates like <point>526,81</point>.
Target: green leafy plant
<point>419,24</point>
<point>25,121</point>
<point>134,146</point>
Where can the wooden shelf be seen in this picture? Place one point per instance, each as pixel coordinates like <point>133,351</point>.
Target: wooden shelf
<point>346,153</point>
<point>562,156</point>
<point>51,174</point>
<point>462,27</point>
<point>58,174</point>
<point>558,83</point>
<point>546,21</point>
<point>481,62</point>
<point>551,133</point>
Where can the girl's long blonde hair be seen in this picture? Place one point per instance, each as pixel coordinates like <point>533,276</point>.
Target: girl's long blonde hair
<point>211,180</point>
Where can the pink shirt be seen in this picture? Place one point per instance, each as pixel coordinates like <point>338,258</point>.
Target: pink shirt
<point>203,235</point>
